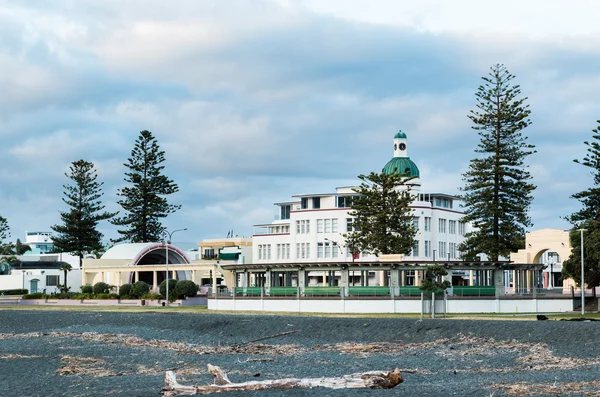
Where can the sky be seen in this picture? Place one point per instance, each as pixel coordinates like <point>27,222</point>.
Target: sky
<point>254,101</point>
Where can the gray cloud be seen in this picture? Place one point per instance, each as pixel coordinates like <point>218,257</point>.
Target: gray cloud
<point>254,102</point>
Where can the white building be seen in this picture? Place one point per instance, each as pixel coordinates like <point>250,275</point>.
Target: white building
<point>310,228</point>
<point>42,247</point>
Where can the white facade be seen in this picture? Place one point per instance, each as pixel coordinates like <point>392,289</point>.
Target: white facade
<point>310,228</point>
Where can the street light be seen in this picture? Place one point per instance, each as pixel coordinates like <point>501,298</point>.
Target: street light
<point>551,261</point>
<point>167,242</point>
<point>582,282</point>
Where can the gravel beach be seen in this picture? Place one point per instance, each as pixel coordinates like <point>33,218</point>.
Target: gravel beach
<point>72,353</point>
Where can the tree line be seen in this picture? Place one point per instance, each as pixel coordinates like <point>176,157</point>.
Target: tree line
<point>496,195</point>
<point>143,201</point>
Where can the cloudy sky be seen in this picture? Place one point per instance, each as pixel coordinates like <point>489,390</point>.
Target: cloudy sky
<point>254,101</point>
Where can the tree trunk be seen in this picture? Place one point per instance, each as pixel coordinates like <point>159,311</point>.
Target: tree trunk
<point>368,380</point>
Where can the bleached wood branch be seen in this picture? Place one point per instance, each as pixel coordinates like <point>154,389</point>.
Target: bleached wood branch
<point>368,380</point>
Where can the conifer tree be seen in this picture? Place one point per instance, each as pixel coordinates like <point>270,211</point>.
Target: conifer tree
<point>590,198</point>
<point>384,220</point>
<point>497,192</point>
<point>5,248</point>
<point>144,201</point>
<point>588,218</point>
<point>78,232</point>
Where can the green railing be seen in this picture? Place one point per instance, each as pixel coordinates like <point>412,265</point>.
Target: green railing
<point>474,291</point>
<point>248,291</point>
<point>321,291</point>
<point>369,291</point>
<point>283,291</point>
<point>409,291</point>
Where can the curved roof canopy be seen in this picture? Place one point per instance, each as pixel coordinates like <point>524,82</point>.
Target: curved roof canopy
<point>146,253</point>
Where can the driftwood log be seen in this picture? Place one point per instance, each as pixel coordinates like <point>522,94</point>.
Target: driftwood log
<point>368,380</point>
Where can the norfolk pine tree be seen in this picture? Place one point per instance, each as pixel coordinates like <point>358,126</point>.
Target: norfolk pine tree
<point>497,193</point>
<point>384,220</point>
<point>588,218</point>
<point>78,232</point>
<point>144,201</point>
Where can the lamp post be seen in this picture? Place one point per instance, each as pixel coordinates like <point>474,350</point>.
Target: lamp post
<point>582,281</point>
<point>167,242</point>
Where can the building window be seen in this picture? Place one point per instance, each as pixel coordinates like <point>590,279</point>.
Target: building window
<point>427,227</point>
<point>52,281</point>
<point>461,228</point>
<point>268,251</point>
<point>452,227</point>
<point>302,250</point>
<point>416,222</point>
<point>442,226</point>
<point>415,249</point>
<point>350,227</point>
<point>303,226</point>
<point>327,225</point>
<point>427,252</point>
<point>319,225</point>
<point>319,250</point>
<point>303,203</point>
<point>452,250</point>
<point>344,201</point>
<point>285,212</point>
<point>316,202</point>
<point>409,277</point>
<point>297,227</point>
<point>334,226</point>
<point>442,249</point>
<point>438,202</point>
<point>287,251</point>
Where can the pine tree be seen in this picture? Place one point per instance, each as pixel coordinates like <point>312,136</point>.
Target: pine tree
<point>384,220</point>
<point>5,248</point>
<point>143,201</point>
<point>588,218</point>
<point>497,193</point>
<point>590,198</point>
<point>78,232</point>
<point>571,268</point>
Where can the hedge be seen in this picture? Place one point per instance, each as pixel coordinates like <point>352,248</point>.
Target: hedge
<point>13,292</point>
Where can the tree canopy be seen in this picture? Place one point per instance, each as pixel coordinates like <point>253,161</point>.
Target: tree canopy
<point>78,231</point>
<point>497,193</point>
<point>383,221</point>
<point>588,218</point>
<point>589,198</point>
<point>144,201</point>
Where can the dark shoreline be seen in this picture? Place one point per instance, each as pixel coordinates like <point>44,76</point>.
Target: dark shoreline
<point>440,361</point>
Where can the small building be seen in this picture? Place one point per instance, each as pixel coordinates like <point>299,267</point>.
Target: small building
<point>38,276</point>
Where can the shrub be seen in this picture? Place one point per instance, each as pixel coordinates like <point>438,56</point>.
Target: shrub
<point>101,288</point>
<point>87,289</point>
<point>35,295</point>
<point>102,296</point>
<point>84,296</point>
<point>124,297</point>
<point>186,288</point>
<point>163,289</point>
<point>139,288</point>
<point>65,295</point>
<point>152,297</point>
<point>13,292</point>
<point>125,289</point>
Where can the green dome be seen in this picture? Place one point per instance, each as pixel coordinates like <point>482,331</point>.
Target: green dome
<point>403,166</point>
<point>400,134</point>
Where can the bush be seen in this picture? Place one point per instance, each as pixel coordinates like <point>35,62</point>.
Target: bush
<point>125,289</point>
<point>13,292</point>
<point>139,288</point>
<point>163,289</point>
<point>35,295</point>
<point>87,289</point>
<point>84,296</point>
<point>185,289</point>
<point>125,297</point>
<point>152,297</point>
<point>65,295</point>
<point>101,288</point>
